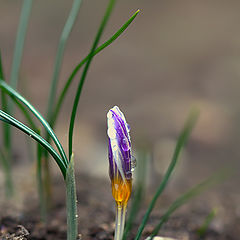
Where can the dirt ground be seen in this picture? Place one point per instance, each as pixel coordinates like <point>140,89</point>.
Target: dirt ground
<point>96,214</point>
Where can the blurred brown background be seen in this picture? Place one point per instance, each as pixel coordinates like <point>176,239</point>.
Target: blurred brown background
<point>175,55</point>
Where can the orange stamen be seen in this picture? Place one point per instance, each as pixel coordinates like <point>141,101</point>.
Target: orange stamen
<point>121,190</point>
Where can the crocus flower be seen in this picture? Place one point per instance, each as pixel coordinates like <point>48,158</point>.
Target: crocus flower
<point>119,156</point>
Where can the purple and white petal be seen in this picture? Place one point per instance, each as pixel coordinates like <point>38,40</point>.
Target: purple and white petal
<point>119,144</point>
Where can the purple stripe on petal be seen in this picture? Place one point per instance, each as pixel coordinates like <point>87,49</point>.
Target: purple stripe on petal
<point>119,145</point>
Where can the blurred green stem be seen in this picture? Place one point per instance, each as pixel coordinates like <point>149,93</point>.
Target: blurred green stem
<point>22,29</point>
<point>41,192</point>
<point>47,180</point>
<point>191,120</point>
<point>5,149</point>
<point>184,198</point>
<point>6,130</point>
<point>203,229</point>
<point>8,107</point>
<point>59,57</point>
<point>8,174</point>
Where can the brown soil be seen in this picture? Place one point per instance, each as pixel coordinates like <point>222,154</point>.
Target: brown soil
<point>96,216</point>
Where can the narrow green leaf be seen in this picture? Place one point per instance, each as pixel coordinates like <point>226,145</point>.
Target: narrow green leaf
<point>25,114</point>
<point>217,178</point>
<point>180,143</point>
<point>16,95</point>
<point>78,67</point>
<point>6,143</point>
<point>6,130</point>
<point>84,74</point>
<point>22,29</point>
<point>14,122</point>
<point>72,222</point>
<point>60,52</point>
<point>203,229</point>
<point>17,57</point>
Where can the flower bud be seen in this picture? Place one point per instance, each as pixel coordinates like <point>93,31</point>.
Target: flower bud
<point>119,155</point>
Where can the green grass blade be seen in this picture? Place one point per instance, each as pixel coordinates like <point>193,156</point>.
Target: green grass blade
<point>138,194</point>
<point>84,74</point>
<point>203,229</point>
<point>22,29</point>
<point>25,114</point>
<point>60,52</point>
<point>78,67</point>
<point>72,225</point>
<point>25,13</point>
<point>17,57</point>
<point>14,122</point>
<point>6,142</point>
<point>16,95</point>
<point>180,143</point>
<point>217,178</point>
<point>6,130</point>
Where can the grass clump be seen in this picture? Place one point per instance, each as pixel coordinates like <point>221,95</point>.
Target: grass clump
<point>65,164</point>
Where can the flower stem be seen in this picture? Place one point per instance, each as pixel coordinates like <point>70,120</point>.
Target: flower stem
<point>120,220</point>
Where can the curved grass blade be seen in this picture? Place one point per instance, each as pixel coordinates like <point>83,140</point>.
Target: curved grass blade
<point>213,180</point>
<point>22,29</point>
<point>78,67</point>
<point>14,122</point>
<point>180,143</point>
<point>84,74</point>
<point>25,114</point>
<point>16,95</point>
<point>60,52</point>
